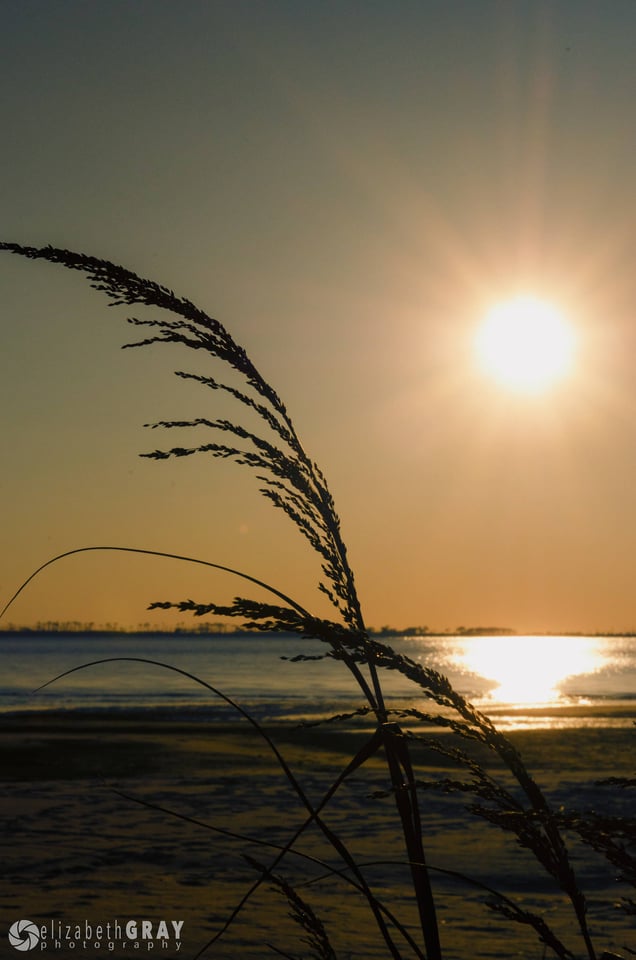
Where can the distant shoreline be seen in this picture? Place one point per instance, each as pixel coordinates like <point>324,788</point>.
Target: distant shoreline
<point>388,633</point>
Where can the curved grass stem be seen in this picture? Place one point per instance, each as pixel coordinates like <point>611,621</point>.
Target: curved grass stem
<point>314,813</point>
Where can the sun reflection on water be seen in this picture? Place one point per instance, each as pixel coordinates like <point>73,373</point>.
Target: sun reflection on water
<point>529,670</point>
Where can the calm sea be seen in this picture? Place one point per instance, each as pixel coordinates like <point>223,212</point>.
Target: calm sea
<point>523,681</point>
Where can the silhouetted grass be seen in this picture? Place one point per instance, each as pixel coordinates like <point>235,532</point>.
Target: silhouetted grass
<point>509,799</point>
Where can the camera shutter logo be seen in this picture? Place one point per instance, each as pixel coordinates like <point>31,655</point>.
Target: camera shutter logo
<point>24,935</point>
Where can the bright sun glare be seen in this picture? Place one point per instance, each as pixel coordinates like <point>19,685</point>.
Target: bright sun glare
<point>525,344</point>
<point>529,669</point>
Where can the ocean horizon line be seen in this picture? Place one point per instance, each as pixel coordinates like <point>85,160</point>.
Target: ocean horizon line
<point>223,630</point>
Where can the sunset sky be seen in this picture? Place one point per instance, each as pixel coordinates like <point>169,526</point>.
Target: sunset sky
<point>349,187</point>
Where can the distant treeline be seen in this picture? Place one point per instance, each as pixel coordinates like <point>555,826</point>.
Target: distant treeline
<point>108,629</point>
<point>429,632</point>
<point>215,628</point>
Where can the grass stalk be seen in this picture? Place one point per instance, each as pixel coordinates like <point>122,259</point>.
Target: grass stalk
<point>314,813</point>
<point>294,484</point>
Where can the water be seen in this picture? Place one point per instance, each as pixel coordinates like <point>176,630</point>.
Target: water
<point>522,681</point>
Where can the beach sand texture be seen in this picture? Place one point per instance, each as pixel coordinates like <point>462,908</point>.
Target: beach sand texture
<point>77,850</point>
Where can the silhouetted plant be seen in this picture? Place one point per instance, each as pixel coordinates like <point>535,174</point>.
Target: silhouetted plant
<point>293,483</point>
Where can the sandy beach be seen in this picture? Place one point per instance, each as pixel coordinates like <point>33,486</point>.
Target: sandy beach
<point>82,852</point>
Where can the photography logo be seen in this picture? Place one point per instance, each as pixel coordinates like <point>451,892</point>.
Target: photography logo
<point>58,936</point>
<point>24,935</point>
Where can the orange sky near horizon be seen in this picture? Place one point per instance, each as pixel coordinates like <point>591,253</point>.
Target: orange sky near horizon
<point>348,188</point>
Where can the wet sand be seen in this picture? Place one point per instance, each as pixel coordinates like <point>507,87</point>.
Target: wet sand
<point>82,847</point>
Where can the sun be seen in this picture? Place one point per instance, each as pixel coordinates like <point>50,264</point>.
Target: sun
<point>525,344</point>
